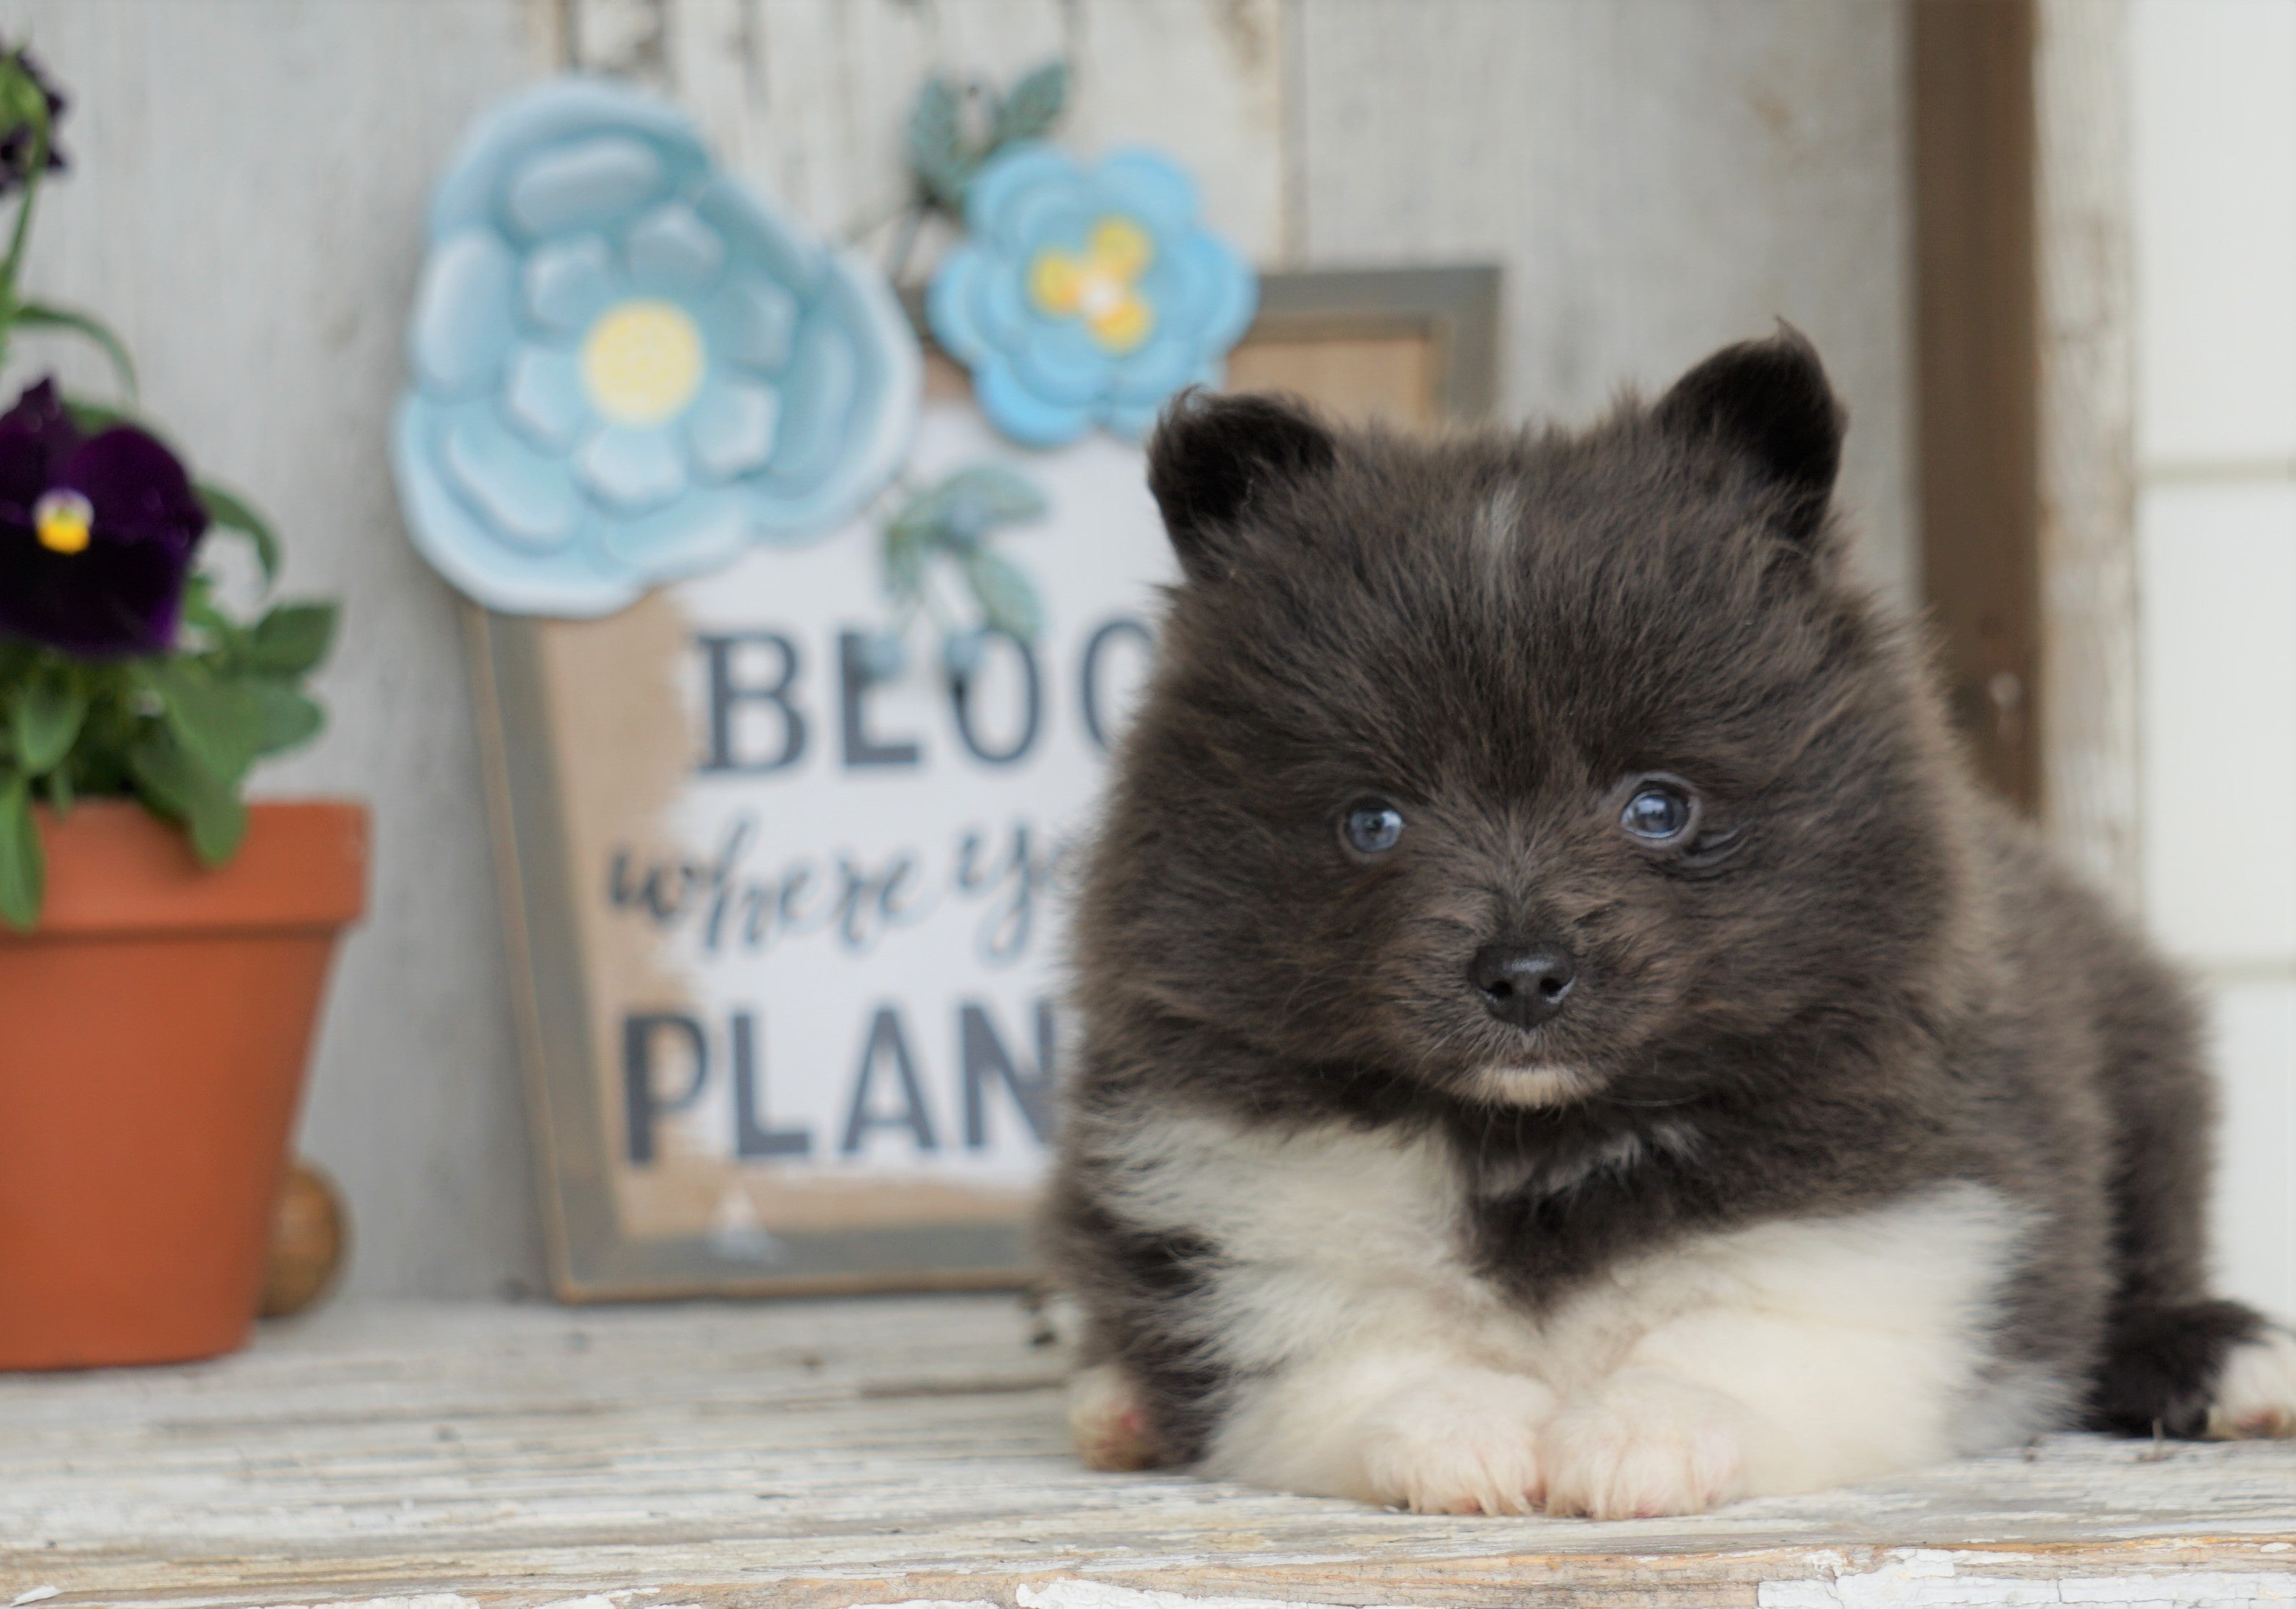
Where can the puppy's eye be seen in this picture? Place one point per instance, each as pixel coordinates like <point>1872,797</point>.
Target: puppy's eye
<point>1371,826</point>
<point>1659,812</point>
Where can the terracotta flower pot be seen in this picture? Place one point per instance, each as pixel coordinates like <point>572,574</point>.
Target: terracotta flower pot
<point>153,1033</point>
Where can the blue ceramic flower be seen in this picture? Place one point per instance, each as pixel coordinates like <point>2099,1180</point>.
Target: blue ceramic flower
<point>626,369</point>
<point>1087,295</point>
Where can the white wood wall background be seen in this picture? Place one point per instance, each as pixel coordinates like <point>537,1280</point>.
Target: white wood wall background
<point>2213,138</point>
<point>1657,177</point>
<point>245,207</point>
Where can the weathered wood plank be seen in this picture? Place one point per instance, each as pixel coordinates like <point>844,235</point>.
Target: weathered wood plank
<point>860,1452</point>
<point>1657,178</point>
<point>1204,80</point>
<point>1972,139</point>
<point>811,97</point>
<point>2091,776</point>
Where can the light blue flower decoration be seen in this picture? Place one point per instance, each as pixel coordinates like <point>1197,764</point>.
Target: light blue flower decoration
<point>626,369</point>
<point>1087,295</point>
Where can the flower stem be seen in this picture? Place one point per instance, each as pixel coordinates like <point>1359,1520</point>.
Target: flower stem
<point>23,221</point>
<point>37,111</point>
<point>23,229</point>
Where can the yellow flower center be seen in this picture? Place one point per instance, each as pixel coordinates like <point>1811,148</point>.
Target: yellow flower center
<point>61,519</point>
<point>641,362</point>
<point>1099,285</point>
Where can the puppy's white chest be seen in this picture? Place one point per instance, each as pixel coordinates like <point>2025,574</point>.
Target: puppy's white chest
<point>1322,1232</point>
<point>1324,1193</point>
<point>1336,1236</point>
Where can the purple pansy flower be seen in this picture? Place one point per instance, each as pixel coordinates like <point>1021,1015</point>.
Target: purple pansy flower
<point>96,533</point>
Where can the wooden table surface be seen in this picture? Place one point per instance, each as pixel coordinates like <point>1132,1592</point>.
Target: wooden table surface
<point>875,1451</point>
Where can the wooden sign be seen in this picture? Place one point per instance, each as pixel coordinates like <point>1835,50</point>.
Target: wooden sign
<point>787,929</point>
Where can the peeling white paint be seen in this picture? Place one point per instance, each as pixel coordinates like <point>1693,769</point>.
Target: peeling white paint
<point>1931,1579</point>
<point>2195,1587</point>
<point>719,1384</point>
<point>427,1600</point>
<point>1071,1594</point>
<point>34,1595</point>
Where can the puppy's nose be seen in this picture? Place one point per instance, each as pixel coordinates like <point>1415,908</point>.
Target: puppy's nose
<point>1523,986</point>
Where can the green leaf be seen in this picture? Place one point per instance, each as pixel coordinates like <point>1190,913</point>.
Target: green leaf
<point>60,792</point>
<point>286,717</point>
<point>292,638</point>
<point>936,154</point>
<point>225,635</point>
<point>21,101</point>
<point>216,720</point>
<point>39,315</point>
<point>233,514</point>
<point>1006,597</point>
<point>228,641</point>
<point>1004,495</point>
<point>961,509</point>
<point>23,865</point>
<point>218,827</point>
<point>94,417</point>
<point>1035,104</point>
<point>905,564</point>
<point>172,779</point>
<point>164,775</point>
<point>49,712</point>
<point>917,524</point>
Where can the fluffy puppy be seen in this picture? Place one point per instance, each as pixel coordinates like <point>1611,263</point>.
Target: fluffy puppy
<point>1562,1028</point>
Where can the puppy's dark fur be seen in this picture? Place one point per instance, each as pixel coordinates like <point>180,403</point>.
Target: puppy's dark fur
<point>1861,980</point>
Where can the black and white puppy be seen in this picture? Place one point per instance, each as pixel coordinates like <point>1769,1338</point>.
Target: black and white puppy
<point>1562,1027</point>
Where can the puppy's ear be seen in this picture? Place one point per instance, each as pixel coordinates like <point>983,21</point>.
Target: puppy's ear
<point>1212,456</point>
<point>1769,402</point>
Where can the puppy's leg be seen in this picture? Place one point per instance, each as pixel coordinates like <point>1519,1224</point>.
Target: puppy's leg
<point>2255,1390</point>
<point>1648,1441</point>
<point>2197,1369</point>
<point>2175,1361</point>
<point>1417,1429</point>
<point>1107,1420</point>
<point>1722,1405</point>
<point>1798,1355</point>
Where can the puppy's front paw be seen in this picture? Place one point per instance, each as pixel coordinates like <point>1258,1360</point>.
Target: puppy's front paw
<point>2256,1393</point>
<point>1643,1446</point>
<point>1466,1443</point>
<point>1106,1423</point>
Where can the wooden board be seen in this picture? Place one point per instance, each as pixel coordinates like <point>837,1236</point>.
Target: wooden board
<point>835,1453</point>
<point>1976,413</point>
<point>2085,451</point>
<point>1657,177</point>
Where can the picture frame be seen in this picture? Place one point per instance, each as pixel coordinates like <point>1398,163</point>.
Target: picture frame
<point>584,751</point>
